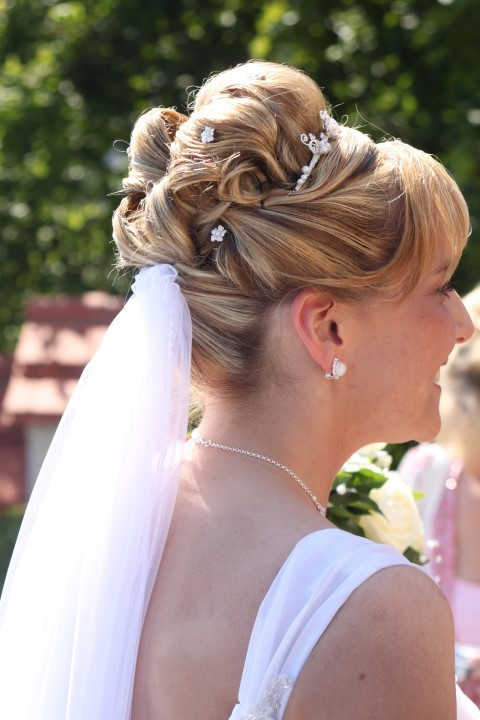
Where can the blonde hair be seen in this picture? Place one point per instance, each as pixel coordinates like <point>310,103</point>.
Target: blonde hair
<point>365,223</point>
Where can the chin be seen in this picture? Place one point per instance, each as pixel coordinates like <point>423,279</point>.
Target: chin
<point>427,432</point>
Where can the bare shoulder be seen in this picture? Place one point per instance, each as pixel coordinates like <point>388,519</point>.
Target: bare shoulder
<point>387,655</point>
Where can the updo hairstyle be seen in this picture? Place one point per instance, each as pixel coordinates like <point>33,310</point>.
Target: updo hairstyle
<point>363,226</point>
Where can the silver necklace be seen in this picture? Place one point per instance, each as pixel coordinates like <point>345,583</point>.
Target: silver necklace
<point>209,443</point>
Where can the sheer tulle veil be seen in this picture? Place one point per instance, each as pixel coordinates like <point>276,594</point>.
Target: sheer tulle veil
<point>88,552</point>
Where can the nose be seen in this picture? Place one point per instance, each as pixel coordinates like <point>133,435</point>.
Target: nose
<point>465,327</point>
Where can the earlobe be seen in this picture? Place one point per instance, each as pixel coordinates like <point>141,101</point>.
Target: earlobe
<point>315,319</point>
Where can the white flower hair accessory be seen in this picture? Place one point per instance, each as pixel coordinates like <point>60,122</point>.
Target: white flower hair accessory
<point>318,146</point>
<point>217,233</point>
<point>207,134</point>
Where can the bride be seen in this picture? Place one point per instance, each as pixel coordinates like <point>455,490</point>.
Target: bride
<point>298,275</point>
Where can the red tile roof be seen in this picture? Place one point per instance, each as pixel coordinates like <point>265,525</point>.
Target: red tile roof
<point>58,338</point>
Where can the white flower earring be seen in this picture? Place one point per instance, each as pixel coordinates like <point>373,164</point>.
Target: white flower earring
<point>338,369</point>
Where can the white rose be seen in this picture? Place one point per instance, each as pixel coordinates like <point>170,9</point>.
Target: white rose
<point>371,450</point>
<point>383,459</point>
<point>373,457</point>
<point>359,461</point>
<point>400,525</point>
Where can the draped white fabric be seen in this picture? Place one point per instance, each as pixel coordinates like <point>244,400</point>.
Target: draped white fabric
<point>317,578</point>
<point>89,548</point>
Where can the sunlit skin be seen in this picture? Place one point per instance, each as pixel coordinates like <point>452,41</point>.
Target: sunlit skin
<point>248,516</point>
<point>399,349</point>
<point>393,352</point>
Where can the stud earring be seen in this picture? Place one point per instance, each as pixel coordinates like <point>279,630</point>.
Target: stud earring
<point>338,369</point>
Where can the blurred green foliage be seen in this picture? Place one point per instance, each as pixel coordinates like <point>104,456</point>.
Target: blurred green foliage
<point>10,521</point>
<point>75,75</point>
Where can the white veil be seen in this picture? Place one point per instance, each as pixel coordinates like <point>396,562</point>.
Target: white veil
<point>88,552</point>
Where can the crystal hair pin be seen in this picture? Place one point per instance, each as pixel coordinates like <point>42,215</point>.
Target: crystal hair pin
<point>318,146</point>
<point>217,234</point>
<point>207,134</point>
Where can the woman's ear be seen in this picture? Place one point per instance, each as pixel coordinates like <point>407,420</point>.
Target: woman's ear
<point>317,318</point>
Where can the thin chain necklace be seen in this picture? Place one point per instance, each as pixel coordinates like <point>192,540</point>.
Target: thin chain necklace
<point>209,443</point>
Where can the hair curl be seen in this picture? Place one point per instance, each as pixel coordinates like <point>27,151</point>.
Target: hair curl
<point>365,222</point>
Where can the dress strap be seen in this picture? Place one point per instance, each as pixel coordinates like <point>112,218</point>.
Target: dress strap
<point>317,578</point>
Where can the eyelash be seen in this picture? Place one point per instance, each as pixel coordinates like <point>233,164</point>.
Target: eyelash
<point>446,289</point>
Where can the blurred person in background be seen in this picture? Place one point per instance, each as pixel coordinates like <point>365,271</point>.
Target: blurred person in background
<point>447,472</point>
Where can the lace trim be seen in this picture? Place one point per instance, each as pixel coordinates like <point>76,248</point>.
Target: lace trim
<point>270,701</point>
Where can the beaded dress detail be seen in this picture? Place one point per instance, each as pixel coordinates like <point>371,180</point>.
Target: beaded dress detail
<point>269,705</point>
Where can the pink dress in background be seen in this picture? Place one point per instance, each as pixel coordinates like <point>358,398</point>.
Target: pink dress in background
<point>465,604</point>
<point>430,469</point>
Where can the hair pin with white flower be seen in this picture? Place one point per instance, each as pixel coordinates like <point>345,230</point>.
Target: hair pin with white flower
<point>207,134</point>
<point>318,146</point>
<point>217,233</point>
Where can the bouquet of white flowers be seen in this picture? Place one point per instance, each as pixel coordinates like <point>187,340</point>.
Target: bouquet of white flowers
<point>369,499</point>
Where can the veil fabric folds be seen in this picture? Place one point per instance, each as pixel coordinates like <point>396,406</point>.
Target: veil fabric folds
<point>89,548</point>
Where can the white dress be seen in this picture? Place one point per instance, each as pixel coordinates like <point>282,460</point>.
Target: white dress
<point>314,582</point>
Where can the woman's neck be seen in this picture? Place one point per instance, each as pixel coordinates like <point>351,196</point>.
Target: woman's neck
<point>284,431</point>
